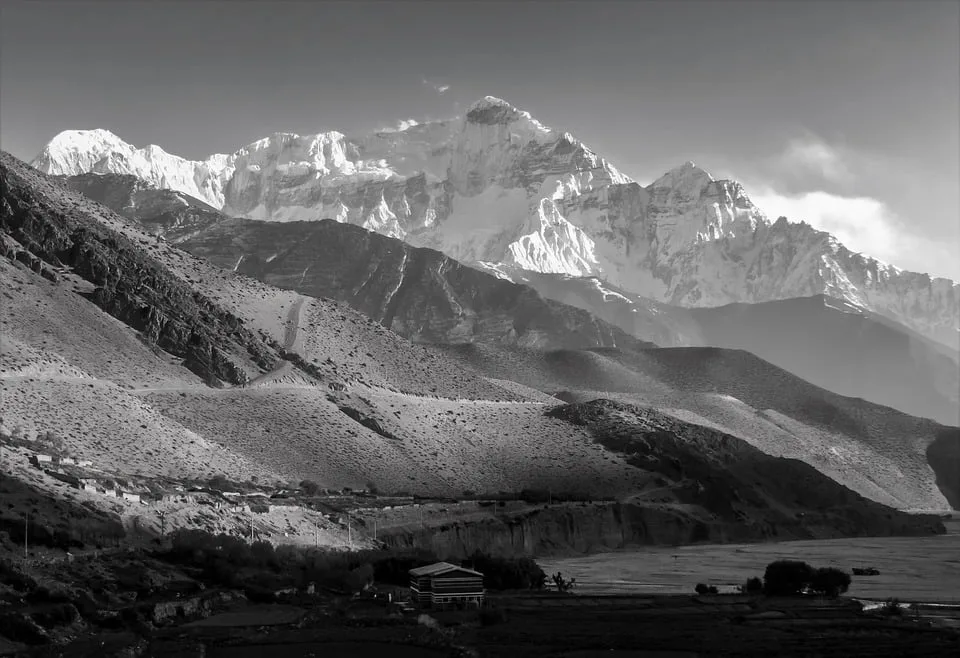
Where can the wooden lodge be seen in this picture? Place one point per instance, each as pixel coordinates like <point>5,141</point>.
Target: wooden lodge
<point>445,585</point>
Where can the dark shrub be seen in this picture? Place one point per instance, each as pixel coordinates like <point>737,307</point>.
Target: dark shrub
<point>787,578</point>
<point>891,608</point>
<point>507,573</point>
<point>309,487</point>
<point>701,589</point>
<point>12,576</point>
<point>830,581</point>
<point>753,586</point>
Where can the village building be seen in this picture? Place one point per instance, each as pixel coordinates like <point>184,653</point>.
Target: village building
<point>132,497</point>
<point>41,459</point>
<point>444,585</point>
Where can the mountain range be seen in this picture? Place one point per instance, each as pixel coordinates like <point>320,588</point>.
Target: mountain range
<point>499,189</point>
<point>157,362</point>
<point>426,296</point>
<point>481,304</point>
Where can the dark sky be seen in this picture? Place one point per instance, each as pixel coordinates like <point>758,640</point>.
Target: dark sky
<point>854,100</point>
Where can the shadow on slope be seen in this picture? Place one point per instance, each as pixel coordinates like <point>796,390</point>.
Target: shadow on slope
<point>129,283</point>
<point>49,522</point>
<point>845,350</point>
<point>822,340</point>
<point>944,456</point>
<point>172,214</point>
<point>736,482</point>
<point>877,451</point>
<point>419,293</point>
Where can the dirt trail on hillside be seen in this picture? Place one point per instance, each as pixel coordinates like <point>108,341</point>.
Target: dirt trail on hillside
<point>291,337</point>
<point>291,333</point>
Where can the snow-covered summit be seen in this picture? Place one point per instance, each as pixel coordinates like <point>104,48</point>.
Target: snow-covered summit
<point>498,186</point>
<point>687,174</point>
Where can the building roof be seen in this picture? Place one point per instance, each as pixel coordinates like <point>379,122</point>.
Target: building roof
<point>439,568</point>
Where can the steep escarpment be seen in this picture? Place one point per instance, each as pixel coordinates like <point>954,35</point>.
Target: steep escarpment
<point>555,530</point>
<point>569,529</point>
<point>418,293</point>
<point>127,283</point>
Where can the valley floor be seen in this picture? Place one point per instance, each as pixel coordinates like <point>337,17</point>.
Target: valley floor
<point>922,569</point>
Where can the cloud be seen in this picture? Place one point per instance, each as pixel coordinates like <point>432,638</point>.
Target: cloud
<point>437,87</point>
<point>400,126</point>
<point>810,155</point>
<point>862,224</point>
<point>861,197</point>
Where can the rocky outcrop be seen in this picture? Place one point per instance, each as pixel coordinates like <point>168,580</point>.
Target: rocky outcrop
<point>167,213</point>
<point>564,530</point>
<point>129,284</point>
<point>418,293</point>
<point>498,186</point>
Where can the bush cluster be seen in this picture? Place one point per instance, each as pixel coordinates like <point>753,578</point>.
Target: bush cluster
<point>792,577</point>
<point>232,562</point>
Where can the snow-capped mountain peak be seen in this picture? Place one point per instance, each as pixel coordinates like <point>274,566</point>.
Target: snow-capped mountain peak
<point>687,174</point>
<point>491,110</point>
<point>498,186</point>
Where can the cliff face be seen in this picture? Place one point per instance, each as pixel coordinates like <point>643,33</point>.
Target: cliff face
<point>418,293</point>
<point>566,530</point>
<point>593,528</point>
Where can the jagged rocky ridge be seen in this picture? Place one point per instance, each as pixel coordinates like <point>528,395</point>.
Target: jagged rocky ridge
<point>418,293</point>
<point>128,283</point>
<point>163,212</point>
<point>500,187</point>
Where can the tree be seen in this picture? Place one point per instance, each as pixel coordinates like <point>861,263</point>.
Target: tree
<point>830,581</point>
<point>701,589</point>
<point>309,487</point>
<point>787,578</point>
<point>563,585</point>
<point>752,586</point>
